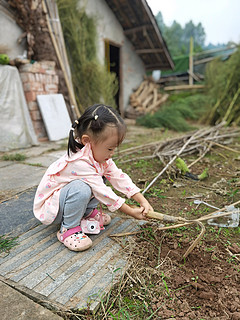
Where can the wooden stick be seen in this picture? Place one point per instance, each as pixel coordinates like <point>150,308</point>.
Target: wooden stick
<point>194,76</point>
<point>184,87</point>
<point>224,147</point>
<point>191,61</point>
<point>229,110</point>
<point>71,94</point>
<point>125,234</point>
<point>173,159</point>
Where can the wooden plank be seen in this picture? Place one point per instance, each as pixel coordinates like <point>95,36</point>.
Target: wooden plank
<point>194,76</point>
<point>136,29</point>
<point>185,87</point>
<point>191,62</point>
<point>142,51</point>
<point>45,267</point>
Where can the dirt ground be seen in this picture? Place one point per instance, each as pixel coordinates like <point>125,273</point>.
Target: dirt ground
<point>159,283</point>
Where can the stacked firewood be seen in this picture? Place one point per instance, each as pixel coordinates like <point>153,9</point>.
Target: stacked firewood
<point>147,99</point>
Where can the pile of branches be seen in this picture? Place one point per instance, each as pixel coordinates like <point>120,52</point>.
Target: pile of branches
<point>222,79</point>
<point>201,142</point>
<point>147,99</point>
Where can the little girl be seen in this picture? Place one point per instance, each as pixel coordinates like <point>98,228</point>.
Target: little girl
<point>72,187</point>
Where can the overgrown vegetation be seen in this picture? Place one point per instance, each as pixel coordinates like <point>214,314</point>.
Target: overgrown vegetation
<point>176,112</point>
<point>223,90</point>
<point>91,80</point>
<point>159,283</point>
<point>219,102</point>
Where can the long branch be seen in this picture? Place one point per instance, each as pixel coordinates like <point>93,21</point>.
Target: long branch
<point>170,162</point>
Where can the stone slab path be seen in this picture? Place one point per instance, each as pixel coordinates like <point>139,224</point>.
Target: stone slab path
<point>75,280</point>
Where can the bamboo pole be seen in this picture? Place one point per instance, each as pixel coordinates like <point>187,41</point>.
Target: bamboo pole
<point>215,107</point>
<point>191,62</point>
<point>71,94</point>
<point>227,114</point>
<point>184,87</point>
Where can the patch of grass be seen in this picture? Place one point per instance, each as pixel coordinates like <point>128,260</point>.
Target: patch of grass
<point>180,95</point>
<point>35,164</point>
<point>175,115</point>
<point>14,157</point>
<point>7,243</point>
<point>232,193</point>
<point>166,118</point>
<point>142,164</point>
<point>155,192</point>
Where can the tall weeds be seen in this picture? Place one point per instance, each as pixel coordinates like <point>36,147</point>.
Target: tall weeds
<point>91,80</point>
<point>175,115</point>
<point>223,89</point>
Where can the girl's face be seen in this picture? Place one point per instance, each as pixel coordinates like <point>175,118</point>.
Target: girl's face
<point>104,149</point>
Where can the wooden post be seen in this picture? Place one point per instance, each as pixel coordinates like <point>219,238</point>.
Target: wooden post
<point>191,61</point>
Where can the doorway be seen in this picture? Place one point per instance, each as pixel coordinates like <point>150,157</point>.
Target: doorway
<point>112,58</point>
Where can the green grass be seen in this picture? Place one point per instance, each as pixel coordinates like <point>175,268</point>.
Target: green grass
<point>7,243</point>
<point>35,164</point>
<point>14,157</point>
<point>176,112</point>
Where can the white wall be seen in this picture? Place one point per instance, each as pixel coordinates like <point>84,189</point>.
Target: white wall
<point>109,28</point>
<point>9,34</point>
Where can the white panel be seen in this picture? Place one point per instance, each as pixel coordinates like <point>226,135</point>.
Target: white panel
<point>55,116</point>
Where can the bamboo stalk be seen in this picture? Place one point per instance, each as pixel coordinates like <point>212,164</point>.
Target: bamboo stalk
<point>191,62</point>
<point>224,147</point>
<point>184,87</point>
<point>226,117</point>
<point>215,107</point>
<point>71,94</point>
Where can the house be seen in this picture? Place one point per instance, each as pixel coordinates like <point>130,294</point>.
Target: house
<point>128,40</point>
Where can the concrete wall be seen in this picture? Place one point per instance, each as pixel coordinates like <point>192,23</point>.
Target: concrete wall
<point>9,34</point>
<point>108,27</point>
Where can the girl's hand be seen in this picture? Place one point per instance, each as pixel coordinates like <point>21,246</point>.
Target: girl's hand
<point>145,205</point>
<point>136,212</point>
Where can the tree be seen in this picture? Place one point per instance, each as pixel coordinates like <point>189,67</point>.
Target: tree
<point>160,21</point>
<point>173,36</point>
<point>178,38</point>
<point>198,34</point>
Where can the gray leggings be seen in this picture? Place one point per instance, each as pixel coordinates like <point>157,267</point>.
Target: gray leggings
<point>76,201</point>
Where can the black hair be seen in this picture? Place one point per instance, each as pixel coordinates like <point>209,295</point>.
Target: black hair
<point>94,120</point>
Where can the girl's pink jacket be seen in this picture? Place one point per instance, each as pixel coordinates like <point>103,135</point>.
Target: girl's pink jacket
<point>82,166</point>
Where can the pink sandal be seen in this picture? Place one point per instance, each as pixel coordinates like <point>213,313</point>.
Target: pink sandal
<point>74,239</point>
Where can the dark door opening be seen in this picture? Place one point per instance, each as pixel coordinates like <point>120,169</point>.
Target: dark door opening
<point>112,55</point>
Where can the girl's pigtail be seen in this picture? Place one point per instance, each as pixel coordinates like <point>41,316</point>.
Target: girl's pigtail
<point>72,143</point>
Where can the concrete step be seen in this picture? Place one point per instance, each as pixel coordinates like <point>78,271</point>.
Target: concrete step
<point>75,280</point>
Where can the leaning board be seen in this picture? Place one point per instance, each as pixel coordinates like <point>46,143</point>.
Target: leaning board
<point>55,116</point>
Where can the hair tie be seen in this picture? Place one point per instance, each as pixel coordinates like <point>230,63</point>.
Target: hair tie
<point>72,129</point>
<point>76,121</point>
<point>95,117</point>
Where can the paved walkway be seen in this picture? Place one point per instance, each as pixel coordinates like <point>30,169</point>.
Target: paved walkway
<point>40,268</point>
